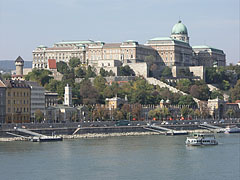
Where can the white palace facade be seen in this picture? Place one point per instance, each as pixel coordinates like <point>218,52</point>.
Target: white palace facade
<point>168,51</point>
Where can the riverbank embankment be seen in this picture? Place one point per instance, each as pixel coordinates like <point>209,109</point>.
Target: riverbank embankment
<point>92,132</point>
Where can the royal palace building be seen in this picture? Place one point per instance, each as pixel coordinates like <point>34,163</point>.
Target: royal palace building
<point>168,51</point>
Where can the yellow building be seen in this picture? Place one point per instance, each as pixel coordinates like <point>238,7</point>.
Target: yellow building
<point>18,101</point>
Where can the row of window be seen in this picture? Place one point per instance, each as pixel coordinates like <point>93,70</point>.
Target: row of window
<point>18,109</point>
<point>18,101</point>
<point>21,118</point>
<point>18,94</point>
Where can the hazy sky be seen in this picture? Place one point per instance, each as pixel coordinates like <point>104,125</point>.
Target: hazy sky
<point>25,24</point>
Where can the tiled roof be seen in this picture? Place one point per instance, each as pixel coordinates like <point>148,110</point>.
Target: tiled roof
<point>16,84</point>
<point>2,84</point>
<point>52,64</point>
<point>112,45</point>
<point>60,48</point>
<point>76,42</point>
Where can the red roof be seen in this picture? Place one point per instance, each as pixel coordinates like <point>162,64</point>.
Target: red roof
<point>2,84</point>
<point>52,64</point>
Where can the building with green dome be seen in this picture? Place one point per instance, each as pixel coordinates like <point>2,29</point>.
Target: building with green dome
<point>176,50</point>
<point>179,32</point>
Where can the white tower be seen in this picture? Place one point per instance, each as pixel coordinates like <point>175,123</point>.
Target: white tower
<point>19,63</point>
<point>68,96</point>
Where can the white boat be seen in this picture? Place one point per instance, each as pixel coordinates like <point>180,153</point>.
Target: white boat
<point>232,129</point>
<point>46,138</point>
<point>201,139</point>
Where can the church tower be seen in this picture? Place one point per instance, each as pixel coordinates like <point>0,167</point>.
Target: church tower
<point>68,96</point>
<point>179,32</point>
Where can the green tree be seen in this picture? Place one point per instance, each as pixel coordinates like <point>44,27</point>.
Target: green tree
<point>231,113</point>
<point>184,85</point>
<point>126,71</point>
<point>215,94</point>
<point>235,92</point>
<point>185,111</point>
<point>155,113</point>
<point>41,76</point>
<point>74,62</point>
<point>100,84</point>
<point>142,92</point>
<point>80,72</point>
<point>88,92</point>
<point>62,67</point>
<point>6,76</point>
<point>69,78</point>
<point>225,85</point>
<point>187,100</point>
<point>39,116</point>
<point>201,92</point>
<point>90,72</point>
<point>167,72</point>
<point>118,115</point>
<point>197,113</point>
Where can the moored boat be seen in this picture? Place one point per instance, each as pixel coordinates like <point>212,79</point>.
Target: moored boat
<point>201,139</point>
<point>46,138</point>
<point>232,129</point>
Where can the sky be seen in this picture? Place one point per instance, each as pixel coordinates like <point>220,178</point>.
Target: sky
<point>26,24</point>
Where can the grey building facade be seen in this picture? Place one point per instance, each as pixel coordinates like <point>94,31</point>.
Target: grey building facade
<point>37,98</point>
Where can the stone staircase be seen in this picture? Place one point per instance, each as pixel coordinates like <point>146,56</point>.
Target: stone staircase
<point>155,81</point>
<point>212,88</point>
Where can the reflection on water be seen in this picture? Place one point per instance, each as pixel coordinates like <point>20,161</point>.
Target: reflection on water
<point>142,157</point>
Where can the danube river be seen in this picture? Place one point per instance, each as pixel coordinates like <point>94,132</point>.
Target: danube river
<point>124,158</point>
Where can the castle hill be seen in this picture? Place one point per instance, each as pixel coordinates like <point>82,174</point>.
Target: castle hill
<point>81,87</point>
<point>119,90</point>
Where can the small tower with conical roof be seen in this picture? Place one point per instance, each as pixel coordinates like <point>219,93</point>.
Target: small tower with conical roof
<point>179,32</point>
<point>19,63</point>
<point>68,96</point>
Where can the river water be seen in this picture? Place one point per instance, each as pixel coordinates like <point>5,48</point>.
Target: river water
<point>121,158</point>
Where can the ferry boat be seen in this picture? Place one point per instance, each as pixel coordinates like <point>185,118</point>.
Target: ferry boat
<point>232,129</point>
<point>201,139</point>
<point>46,138</point>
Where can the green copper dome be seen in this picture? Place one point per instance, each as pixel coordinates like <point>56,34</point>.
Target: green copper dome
<point>179,28</point>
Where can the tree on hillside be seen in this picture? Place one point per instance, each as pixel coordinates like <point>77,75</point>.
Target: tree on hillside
<point>80,72</point>
<point>41,76</point>
<point>187,100</point>
<point>100,84</point>
<point>235,92</point>
<point>62,67</point>
<point>105,73</point>
<point>88,92</point>
<point>201,92</point>
<point>126,71</point>
<point>184,85</point>
<point>142,92</point>
<point>74,62</point>
<point>215,94</point>
<point>167,72</point>
<point>90,72</point>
